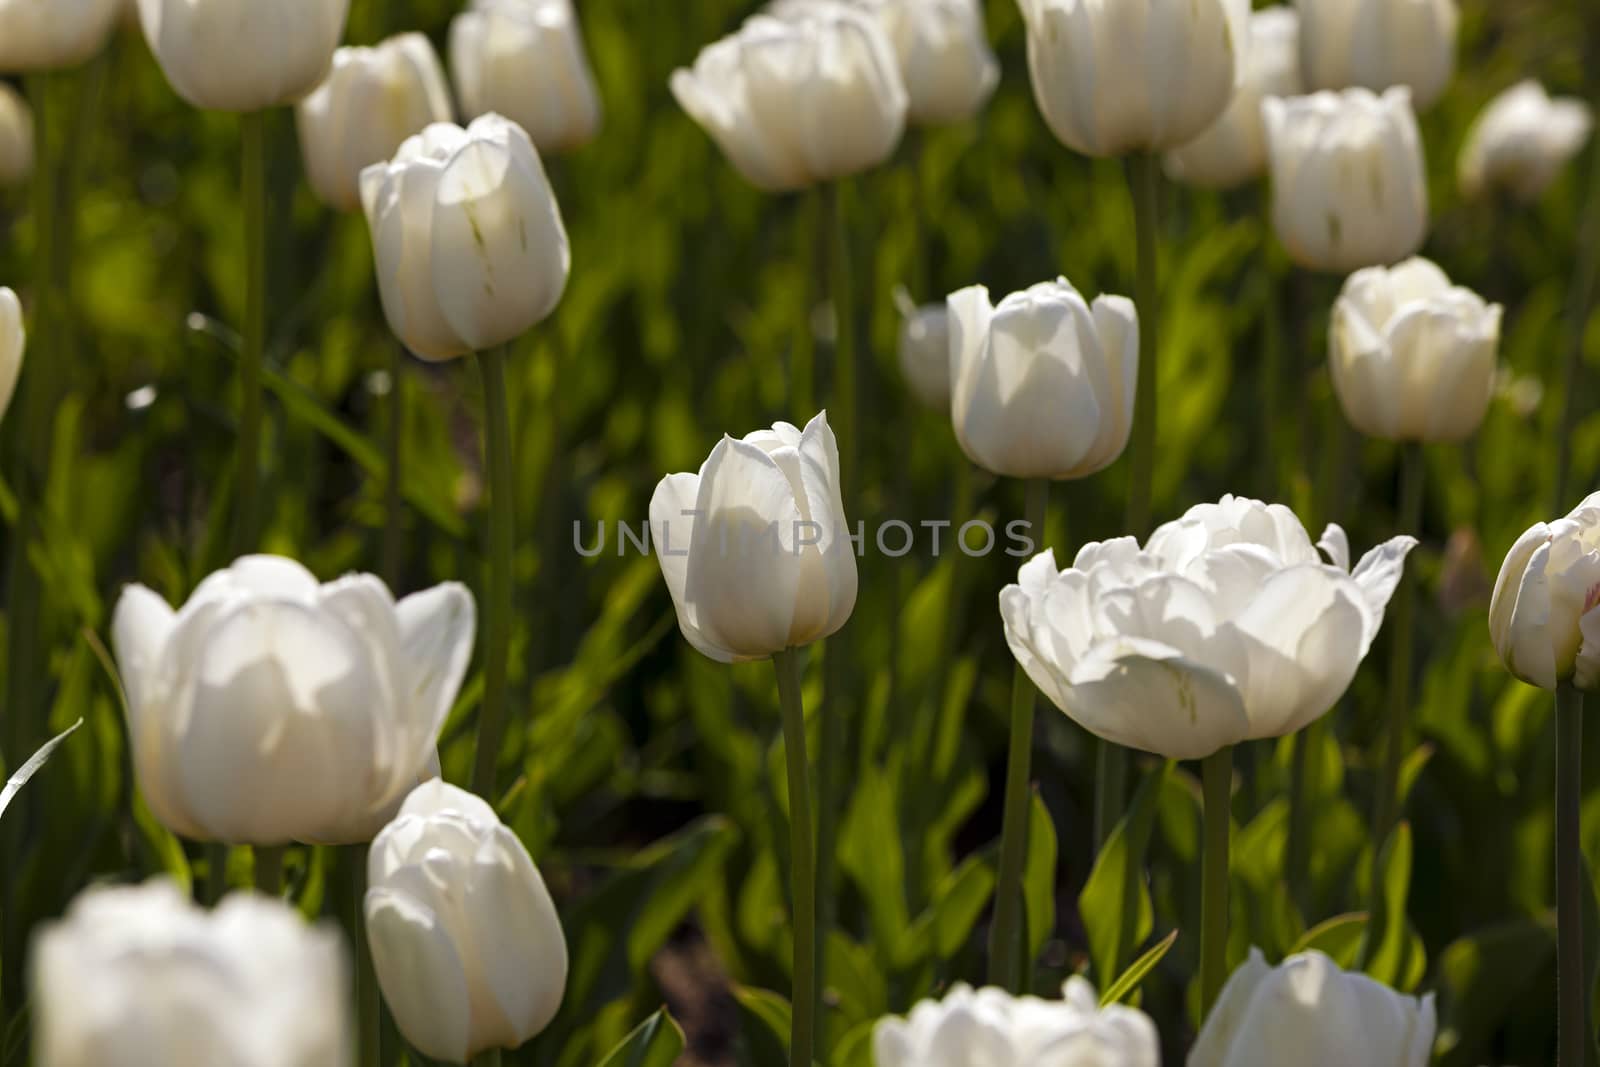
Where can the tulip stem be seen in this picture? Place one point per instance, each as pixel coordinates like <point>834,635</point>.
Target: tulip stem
<point>269,869</point>
<point>1217,784</point>
<point>802,859</point>
<point>253,194</point>
<point>802,358</point>
<point>369,1049</point>
<point>1579,301</point>
<point>1389,804</point>
<point>393,547</point>
<point>502,531</point>
<point>487,1058</point>
<point>1571,1008</point>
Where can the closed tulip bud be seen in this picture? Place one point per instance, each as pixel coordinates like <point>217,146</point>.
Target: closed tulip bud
<point>996,1029</point>
<point>525,60</point>
<point>1377,44</point>
<point>465,938</point>
<point>1136,75</point>
<point>925,354</point>
<point>272,709</point>
<point>50,34</point>
<point>373,99</point>
<point>1308,1012</point>
<point>243,55</point>
<point>799,100</point>
<point>1413,358</point>
<point>755,548</point>
<point>13,342</point>
<point>1225,627</point>
<point>16,137</point>
<point>1348,181</point>
<point>1233,150</point>
<point>1542,618</point>
<point>1522,141</point>
<point>135,976</point>
<point>1043,385</point>
<point>467,235</point>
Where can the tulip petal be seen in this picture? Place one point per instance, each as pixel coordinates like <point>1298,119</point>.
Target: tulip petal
<point>672,532</point>
<point>1336,546</point>
<point>1378,574</point>
<point>1212,1046</point>
<point>139,631</point>
<point>421,975</point>
<point>819,453</point>
<point>518,939</point>
<point>436,631</point>
<point>1147,696</point>
<point>1529,651</point>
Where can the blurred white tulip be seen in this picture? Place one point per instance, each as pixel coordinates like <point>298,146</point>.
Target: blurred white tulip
<point>13,344</point>
<point>1522,141</point>
<point>1225,627</point>
<point>136,976</point>
<point>465,938</point>
<point>467,236</point>
<point>372,100</point>
<point>925,354</point>
<point>16,137</point>
<point>1348,181</point>
<point>1308,1012</point>
<point>525,60</point>
<point>1413,358</point>
<point>243,55</point>
<point>1542,618</point>
<point>1378,44</point>
<point>755,548</point>
<point>272,709</point>
<point>799,100</point>
<point>49,34</point>
<point>1043,385</point>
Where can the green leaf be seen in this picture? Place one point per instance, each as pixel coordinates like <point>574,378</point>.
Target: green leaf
<point>1480,978</point>
<point>764,1021</point>
<point>1123,987</point>
<point>855,1048</point>
<point>1039,884</point>
<point>15,783</point>
<point>1115,902</point>
<point>1389,950</point>
<point>656,1042</point>
<point>948,922</point>
<point>1338,938</point>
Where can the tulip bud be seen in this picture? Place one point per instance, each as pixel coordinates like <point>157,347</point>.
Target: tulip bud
<point>1308,1012</point>
<point>525,60</point>
<point>1043,385</point>
<point>243,55</point>
<point>1413,357</point>
<point>465,938</point>
<point>1348,181</point>
<point>137,975</point>
<point>1233,150</point>
<point>16,137</point>
<point>1522,141</point>
<point>271,709</point>
<point>50,34</point>
<point>13,342</point>
<point>373,99</point>
<point>467,236</point>
<point>798,100</point>
<point>1134,75</point>
<point>925,354</point>
<point>1347,44</point>
<point>1542,617</point>
<point>755,548</point>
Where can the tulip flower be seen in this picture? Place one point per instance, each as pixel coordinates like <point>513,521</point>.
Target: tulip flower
<point>13,343</point>
<point>525,60</point>
<point>243,55</point>
<point>1542,617</point>
<point>372,100</point>
<point>137,975</point>
<point>465,938</point>
<point>925,354</point>
<point>1043,384</point>
<point>1522,141</point>
<point>16,137</point>
<point>1308,1012</point>
<point>1412,357</point>
<point>272,709</point>
<point>1347,44</point>
<point>996,1029</point>
<point>1233,150</point>
<point>1349,188</point>
<point>50,34</point>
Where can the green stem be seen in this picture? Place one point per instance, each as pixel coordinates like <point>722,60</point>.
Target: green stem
<point>1402,625</point>
<point>487,1058</point>
<point>1571,1003</point>
<point>1297,857</point>
<point>802,359</point>
<point>269,869</point>
<point>368,1005</point>
<point>393,549</point>
<point>845,424</point>
<point>253,194</point>
<point>502,531</point>
<point>1217,783</point>
<point>1579,303</point>
<point>216,872</point>
<point>802,860</point>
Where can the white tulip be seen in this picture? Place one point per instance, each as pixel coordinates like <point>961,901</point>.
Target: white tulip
<point>372,100</point>
<point>16,137</point>
<point>13,343</point>
<point>1348,181</point>
<point>1043,385</point>
<point>467,236</point>
<point>1542,618</point>
<point>1233,150</point>
<point>1413,358</point>
<point>925,354</point>
<point>465,938</point>
<point>243,55</point>
<point>272,709</point>
<point>1522,141</point>
<point>1134,75</point>
<point>525,60</point>
<point>1377,44</point>
<point>1308,1012</point>
<point>50,34</point>
<point>136,976</point>
<point>1225,627</point>
<point>799,100</point>
<point>755,548</point>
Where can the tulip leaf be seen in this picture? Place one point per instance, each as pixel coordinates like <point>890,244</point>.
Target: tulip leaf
<point>855,1048</point>
<point>1115,902</point>
<point>1124,986</point>
<point>15,783</point>
<point>764,1022</point>
<point>948,922</point>
<point>1338,938</point>
<point>1481,976</point>
<point>1391,952</point>
<point>1039,884</point>
<point>656,1042</point>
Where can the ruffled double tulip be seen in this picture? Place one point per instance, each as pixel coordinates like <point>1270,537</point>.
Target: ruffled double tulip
<point>1043,384</point>
<point>50,34</point>
<point>469,244</point>
<point>273,709</point>
<point>1225,627</point>
<point>1377,44</point>
<point>465,938</point>
<point>525,59</point>
<point>1542,618</point>
<point>1522,141</point>
<point>755,548</point>
<point>925,354</point>
<point>13,343</point>
<point>1348,182</point>
<point>16,137</point>
<point>135,976</point>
